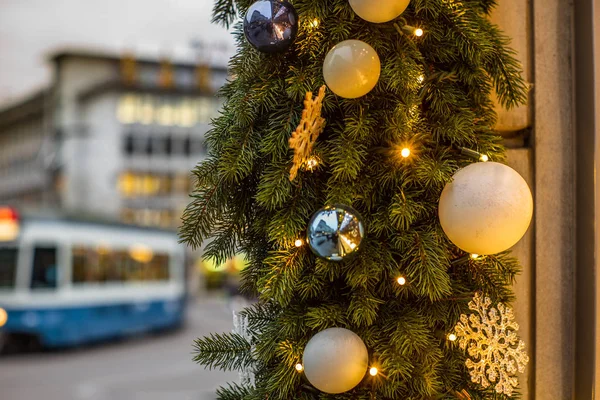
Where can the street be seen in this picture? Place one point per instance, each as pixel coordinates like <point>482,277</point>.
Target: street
<point>152,367</point>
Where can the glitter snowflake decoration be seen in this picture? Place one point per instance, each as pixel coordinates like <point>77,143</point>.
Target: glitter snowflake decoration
<point>240,326</point>
<point>490,337</point>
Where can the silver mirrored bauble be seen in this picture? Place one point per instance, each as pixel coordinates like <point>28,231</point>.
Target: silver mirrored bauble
<point>334,232</point>
<point>271,25</point>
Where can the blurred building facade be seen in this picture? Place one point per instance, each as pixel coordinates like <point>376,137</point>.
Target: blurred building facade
<point>111,136</point>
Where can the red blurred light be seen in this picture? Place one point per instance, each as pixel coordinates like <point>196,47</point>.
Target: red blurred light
<point>8,214</point>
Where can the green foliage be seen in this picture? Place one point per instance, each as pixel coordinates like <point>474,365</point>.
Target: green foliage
<point>244,200</point>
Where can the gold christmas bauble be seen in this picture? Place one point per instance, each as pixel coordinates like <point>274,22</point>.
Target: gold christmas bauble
<point>351,69</point>
<point>379,10</point>
<point>486,209</point>
<point>335,360</point>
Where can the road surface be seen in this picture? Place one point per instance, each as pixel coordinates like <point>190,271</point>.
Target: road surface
<point>150,368</point>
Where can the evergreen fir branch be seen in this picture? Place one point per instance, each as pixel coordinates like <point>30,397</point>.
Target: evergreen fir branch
<point>363,308</point>
<point>275,188</point>
<point>325,316</point>
<point>311,286</point>
<point>260,315</point>
<point>282,271</point>
<point>426,264</point>
<point>283,382</point>
<point>235,391</point>
<point>227,352</point>
<point>505,69</point>
<point>224,12</point>
<point>205,209</point>
<point>405,210</point>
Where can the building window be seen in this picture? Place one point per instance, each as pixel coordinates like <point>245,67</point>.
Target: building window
<point>166,110</point>
<point>135,144</point>
<point>127,184</point>
<point>145,184</point>
<point>126,109</point>
<point>197,146</point>
<point>161,145</point>
<point>187,146</point>
<point>182,183</point>
<point>129,144</point>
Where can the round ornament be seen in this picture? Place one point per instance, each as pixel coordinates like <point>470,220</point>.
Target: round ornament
<point>271,26</point>
<point>486,209</point>
<point>334,232</point>
<point>335,360</point>
<point>351,69</point>
<point>379,10</point>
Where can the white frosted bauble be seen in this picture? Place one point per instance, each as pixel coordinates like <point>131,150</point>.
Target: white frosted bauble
<point>486,209</point>
<point>335,360</point>
<point>379,10</point>
<point>351,69</point>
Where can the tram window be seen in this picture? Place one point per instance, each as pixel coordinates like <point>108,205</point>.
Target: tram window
<point>45,269</point>
<point>112,266</point>
<point>79,261</point>
<point>8,267</point>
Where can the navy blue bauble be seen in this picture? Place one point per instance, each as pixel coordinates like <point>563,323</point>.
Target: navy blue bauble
<point>271,25</point>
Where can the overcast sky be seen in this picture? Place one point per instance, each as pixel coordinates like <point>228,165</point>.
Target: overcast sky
<point>32,29</point>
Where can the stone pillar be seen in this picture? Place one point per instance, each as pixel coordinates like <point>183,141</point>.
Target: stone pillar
<point>542,36</point>
<point>555,199</point>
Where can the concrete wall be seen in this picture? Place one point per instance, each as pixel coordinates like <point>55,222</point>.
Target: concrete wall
<point>99,157</point>
<point>75,75</point>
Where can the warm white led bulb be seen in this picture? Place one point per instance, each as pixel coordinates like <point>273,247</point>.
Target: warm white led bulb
<point>312,163</point>
<point>484,158</point>
<point>419,32</point>
<point>315,23</point>
<point>452,337</point>
<point>299,367</point>
<point>373,371</point>
<point>405,152</point>
<point>421,78</point>
<point>299,242</point>
<point>401,281</point>
<point>474,256</point>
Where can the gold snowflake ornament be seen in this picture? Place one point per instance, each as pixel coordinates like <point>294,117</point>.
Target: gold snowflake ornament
<point>495,351</point>
<point>307,133</point>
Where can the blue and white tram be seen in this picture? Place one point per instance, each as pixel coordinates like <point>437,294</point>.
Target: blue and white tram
<point>65,282</point>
